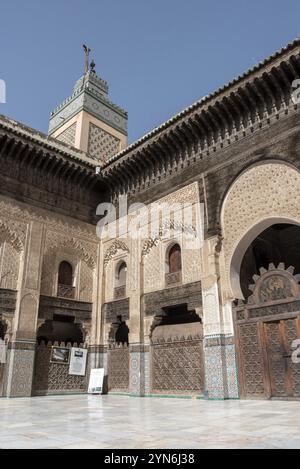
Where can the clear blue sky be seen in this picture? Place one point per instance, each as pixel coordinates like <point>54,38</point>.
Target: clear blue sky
<point>158,56</point>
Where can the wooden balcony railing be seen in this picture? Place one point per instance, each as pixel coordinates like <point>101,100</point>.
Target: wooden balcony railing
<point>120,292</point>
<point>66,291</point>
<point>172,278</point>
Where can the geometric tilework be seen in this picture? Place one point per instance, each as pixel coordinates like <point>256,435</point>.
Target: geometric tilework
<point>221,379</point>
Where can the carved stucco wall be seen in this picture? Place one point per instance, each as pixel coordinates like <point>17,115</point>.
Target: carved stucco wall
<point>102,145</point>
<point>155,249</point>
<point>82,257</point>
<point>68,135</point>
<point>63,238</point>
<point>115,252</point>
<point>9,266</point>
<point>12,240</point>
<point>265,194</point>
<point>153,278</point>
<point>150,253</point>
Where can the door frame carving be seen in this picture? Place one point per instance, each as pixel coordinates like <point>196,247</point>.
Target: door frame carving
<point>275,297</point>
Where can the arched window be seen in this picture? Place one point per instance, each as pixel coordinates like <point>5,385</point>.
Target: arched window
<point>120,280</point>
<point>173,265</point>
<point>121,274</point>
<point>174,259</point>
<point>65,280</point>
<point>65,273</point>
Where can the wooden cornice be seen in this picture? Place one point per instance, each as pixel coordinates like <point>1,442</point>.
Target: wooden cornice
<point>241,107</point>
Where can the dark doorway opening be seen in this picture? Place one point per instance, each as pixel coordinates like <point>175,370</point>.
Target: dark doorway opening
<point>2,330</point>
<point>279,243</point>
<point>178,314</point>
<point>122,331</point>
<point>60,329</point>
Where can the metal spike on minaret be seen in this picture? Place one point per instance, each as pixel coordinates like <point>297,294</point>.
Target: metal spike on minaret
<point>87,51</point>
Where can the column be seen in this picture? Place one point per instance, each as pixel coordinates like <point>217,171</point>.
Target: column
<point>22,346</point>
<point>136,337</point>
<point>219,349</point>
<point>98,346</point>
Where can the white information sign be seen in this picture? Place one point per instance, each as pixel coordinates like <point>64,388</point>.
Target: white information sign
<point>78,361</point>
<point>96,381</point>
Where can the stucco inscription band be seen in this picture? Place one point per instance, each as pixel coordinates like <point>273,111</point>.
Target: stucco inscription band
<point>173,262</point>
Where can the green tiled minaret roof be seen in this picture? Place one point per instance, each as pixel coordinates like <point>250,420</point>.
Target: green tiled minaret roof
<point>90,94</point>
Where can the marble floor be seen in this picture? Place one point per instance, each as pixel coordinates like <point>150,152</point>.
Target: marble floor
<point>128,422</point>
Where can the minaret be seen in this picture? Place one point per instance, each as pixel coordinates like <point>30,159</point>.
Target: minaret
<point>88,120</point>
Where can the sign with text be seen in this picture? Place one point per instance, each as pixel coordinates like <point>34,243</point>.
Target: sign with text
<point>78,361</point>
<point>96,381</point>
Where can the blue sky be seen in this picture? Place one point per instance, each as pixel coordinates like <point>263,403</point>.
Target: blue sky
<point>158,56</point>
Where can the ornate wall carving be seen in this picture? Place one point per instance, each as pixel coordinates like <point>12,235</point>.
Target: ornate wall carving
<point>112,309</point>
<point>177,367</point>
<point>102,145</point>
<point>62,234</point>
<point>265,191</point>
<point>13,233</point>
<point>189,293</point>
<point>187,194</point>
<point>9,266</point>
<point>68,135</point>
<point>19,215</point>
<point>59,247</point>
<point>153,272</point>
<point>113,249</point>
<point>85,251</point>
<point>54,377</point>
<point>211,310</point>
<point>118,368</point>
<point>86,283</point>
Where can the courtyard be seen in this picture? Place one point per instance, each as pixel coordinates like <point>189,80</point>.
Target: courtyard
<point>82,421</point>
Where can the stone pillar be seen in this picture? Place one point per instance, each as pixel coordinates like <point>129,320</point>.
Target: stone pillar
<point>21,351</point>
<point>138,353</point>
<point>98,351</point>
<point>219,350</point>
<point>139,370</point>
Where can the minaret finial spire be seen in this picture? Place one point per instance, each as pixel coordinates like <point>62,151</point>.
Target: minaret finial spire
<point>87,51</point>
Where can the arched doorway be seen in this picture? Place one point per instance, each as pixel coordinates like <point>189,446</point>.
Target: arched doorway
<point>267,322</point>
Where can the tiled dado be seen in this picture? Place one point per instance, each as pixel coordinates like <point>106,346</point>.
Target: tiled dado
<point>20,363</point>
<point>139,383</point>
<point>220,367</point>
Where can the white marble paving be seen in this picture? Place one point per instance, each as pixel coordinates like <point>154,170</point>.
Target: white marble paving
<point>125,422</point>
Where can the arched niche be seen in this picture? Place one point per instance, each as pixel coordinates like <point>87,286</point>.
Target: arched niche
<point>264,195</point>
<point>244,245</point>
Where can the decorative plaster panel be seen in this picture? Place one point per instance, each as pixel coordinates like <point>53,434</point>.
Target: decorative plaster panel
<point>269,190</point>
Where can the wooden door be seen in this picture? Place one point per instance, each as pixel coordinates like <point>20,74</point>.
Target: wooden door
<point>283,374</point>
